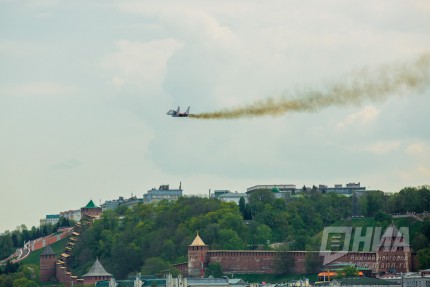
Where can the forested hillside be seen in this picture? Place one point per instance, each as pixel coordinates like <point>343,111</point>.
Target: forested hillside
<point>150,238</point>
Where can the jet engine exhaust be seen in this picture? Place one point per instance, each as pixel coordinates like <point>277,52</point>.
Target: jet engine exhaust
<point>376,85</point>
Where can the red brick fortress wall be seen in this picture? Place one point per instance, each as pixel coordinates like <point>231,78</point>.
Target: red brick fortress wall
<point>259,262</point>
<point>48,240</point>
<point>269,262</point>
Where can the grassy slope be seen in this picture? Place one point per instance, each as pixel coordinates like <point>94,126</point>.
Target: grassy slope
<point>58,248</point>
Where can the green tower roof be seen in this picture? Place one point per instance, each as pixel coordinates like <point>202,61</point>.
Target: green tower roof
<point>91,204</point>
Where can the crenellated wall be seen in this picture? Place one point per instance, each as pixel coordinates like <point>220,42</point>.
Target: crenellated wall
<point>51,267</point>
<point>276,262</point>
<point>48,240</point>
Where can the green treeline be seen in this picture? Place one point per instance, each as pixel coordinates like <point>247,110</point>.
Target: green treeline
<point>150,238</point>
<point>409,199</point>
<point>17,275</point>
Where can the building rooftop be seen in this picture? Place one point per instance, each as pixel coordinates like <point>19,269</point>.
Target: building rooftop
<point>154,282</point>
<point>233,194</point>
<point>97,270</point>
<point>280,187</point>
<point>236,281</point>
<point>119,283</point>
<point>165,192</point>
<point>360,281</point>
<point>207,281</point>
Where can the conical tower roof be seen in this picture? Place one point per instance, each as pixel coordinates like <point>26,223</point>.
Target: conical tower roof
<point>393,238</point>
<point>47,251</point>
<point>91,204</point>
<point>97,270</point>
<point>391,231</point>
<point>198,241</point>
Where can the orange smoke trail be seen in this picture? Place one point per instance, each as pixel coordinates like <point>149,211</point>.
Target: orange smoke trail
<point>360,86</point>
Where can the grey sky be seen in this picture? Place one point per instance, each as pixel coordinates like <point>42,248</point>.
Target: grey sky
<point>84,89</point>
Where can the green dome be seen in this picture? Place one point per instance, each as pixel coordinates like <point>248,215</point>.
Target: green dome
<point>275,189</point>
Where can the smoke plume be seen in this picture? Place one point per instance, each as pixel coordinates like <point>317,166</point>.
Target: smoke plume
<point>383,82</point>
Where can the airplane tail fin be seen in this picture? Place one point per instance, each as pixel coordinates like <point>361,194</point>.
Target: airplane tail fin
<point>178,110</point>
<point>187,111</point>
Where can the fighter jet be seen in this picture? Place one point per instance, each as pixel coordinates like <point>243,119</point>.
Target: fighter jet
<point>177,113</point>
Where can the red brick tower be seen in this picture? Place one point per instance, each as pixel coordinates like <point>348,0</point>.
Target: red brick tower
<point>91,211</point>
<point>47,264</point>
<point>394,253</point>
<point>197,259</point>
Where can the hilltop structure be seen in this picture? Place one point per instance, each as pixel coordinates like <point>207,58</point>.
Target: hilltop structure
<point>50,219</point>
<point>91,211</point>
<point>121,201</point>
<point>74,215</point>
<point>228,196</point>
<point>282,190</point>
<point>162,193</point>
<point>56,268</point>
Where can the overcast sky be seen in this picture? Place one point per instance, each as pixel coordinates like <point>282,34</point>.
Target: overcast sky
<point>85,87</point>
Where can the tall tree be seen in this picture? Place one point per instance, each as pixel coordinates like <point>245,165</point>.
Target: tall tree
<point>214,269</point>
<point>424,258</point>
<point>347,272</point>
